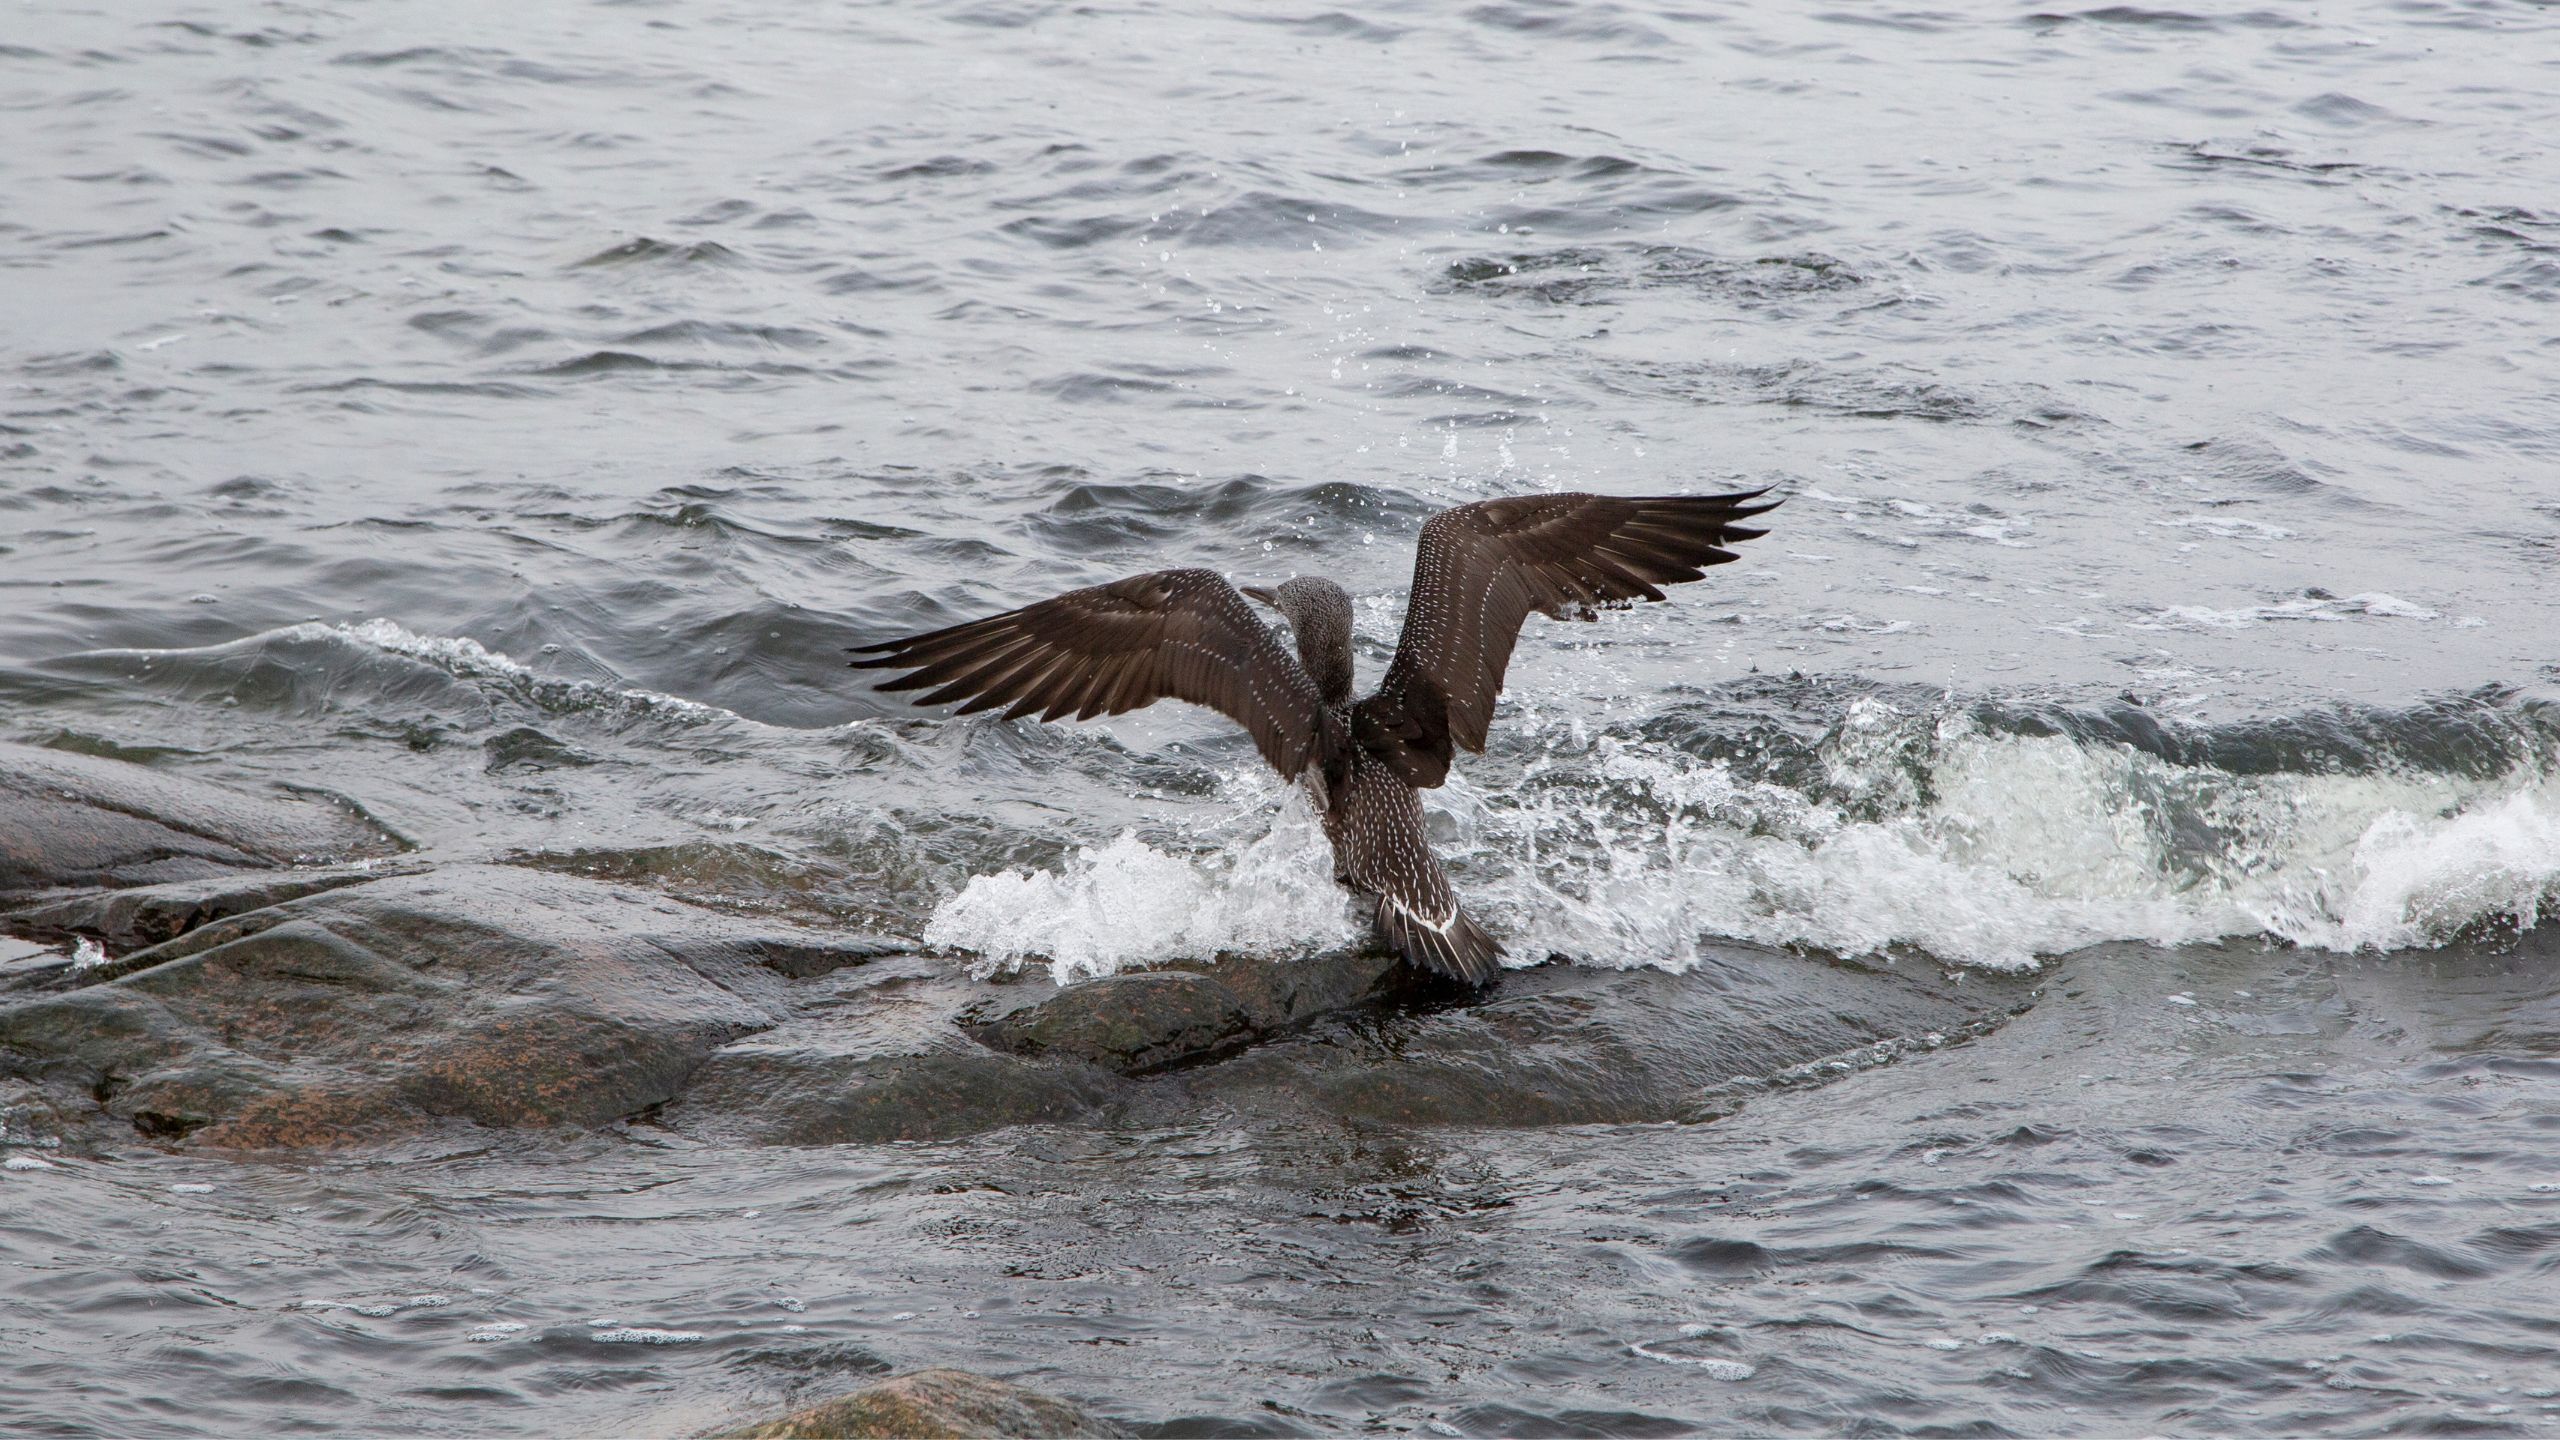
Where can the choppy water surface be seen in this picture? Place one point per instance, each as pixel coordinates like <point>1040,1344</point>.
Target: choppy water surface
<point>502,417</point>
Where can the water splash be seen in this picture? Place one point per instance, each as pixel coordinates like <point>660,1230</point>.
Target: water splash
<point>1129,903</point>
<point>1919,827</point>
<point>2417,879</point>
<point>1995,850</point>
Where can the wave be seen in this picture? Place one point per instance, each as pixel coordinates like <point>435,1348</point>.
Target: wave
<point>1832,816</point>
<point>1933,828</point>
<point>315,666</point>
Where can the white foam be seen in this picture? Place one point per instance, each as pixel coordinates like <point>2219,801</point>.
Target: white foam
<point>1713,1367</point>
<point>2377,603</point>
<point>1991,851</point>
<point>1996,849</point>
<point>1130,903</point>
<point>641,1335</point>
<point>378,1309</point>
<point>27,1162</point>
<point>2416,877</point>
<point>2229,527</point>
<point>1979,848</point>
<point>2306,607</point>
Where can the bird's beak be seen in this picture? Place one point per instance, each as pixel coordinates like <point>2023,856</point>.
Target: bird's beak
<point>1257,592</point>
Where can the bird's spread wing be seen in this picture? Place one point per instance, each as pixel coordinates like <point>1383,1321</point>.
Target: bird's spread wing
<point>1178,634</point>
<point>1478,572</point>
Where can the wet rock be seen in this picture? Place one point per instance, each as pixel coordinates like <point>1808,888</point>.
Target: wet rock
<point>1575,1045</point>
<point>485,994</point>
<point>1147,1021</point>
<point>878,1055</point>
<point>774,1095</point>
<point>932,1403</point>
<point>881,1055</point>
<point>31,1118</point>
<point>1129,1023</point>
<point>68,819</point>
<point>1361,1037</point>
<point>730,874</point>
<point>147,915</point>
<point>26,963</point>
<point>887,1053</point>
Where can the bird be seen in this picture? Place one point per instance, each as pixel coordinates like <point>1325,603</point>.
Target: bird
<point>1479,571</point>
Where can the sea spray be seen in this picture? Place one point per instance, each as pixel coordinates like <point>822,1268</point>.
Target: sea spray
<point>1129,903</point>
<point>1926,829</point>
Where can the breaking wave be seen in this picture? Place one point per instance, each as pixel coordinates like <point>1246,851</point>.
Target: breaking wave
<point>1933,827</point>
<point>1827,815</point>
<point>1128,903</point>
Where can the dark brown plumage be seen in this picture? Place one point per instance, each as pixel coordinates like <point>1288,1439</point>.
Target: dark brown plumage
<point>1110,649</point>
<point>1479,571</point>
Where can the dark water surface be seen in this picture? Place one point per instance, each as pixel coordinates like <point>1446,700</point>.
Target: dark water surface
<point>502,417</point>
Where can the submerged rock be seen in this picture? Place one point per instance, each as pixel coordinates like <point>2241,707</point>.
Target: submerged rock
<point>126,920</point>
<point>1360,1036</point>
<point>913,1050</point>
<point>68,819</point>
<point>486,994</point>
<point>932,1404</point>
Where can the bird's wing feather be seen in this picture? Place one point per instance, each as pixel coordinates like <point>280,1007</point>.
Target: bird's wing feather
<point>1110,649</point>
<point>1480,569</point>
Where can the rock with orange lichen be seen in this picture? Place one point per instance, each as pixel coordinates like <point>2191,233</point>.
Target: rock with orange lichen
<point>486,995</point>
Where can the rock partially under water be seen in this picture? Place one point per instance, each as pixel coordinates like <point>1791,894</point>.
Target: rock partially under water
<point>932,1405</point>
<point>121,921</point>
<point>487,994</point>
<point>68,819</point>
<point>222,995</point>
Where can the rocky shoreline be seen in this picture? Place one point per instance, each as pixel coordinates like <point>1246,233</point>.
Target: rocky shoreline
<point>227,970</point>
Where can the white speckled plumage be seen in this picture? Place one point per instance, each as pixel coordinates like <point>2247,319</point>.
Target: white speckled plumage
<point>1479,571</point>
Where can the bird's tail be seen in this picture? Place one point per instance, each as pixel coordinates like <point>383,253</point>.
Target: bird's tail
<point>1453,945</point>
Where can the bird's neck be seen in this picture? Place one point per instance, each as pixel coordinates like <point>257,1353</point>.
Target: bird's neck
<point>1327,658</point>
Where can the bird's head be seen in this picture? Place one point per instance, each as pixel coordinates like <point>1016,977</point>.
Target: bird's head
<point>1319,613</point>
<point>1306,601</point>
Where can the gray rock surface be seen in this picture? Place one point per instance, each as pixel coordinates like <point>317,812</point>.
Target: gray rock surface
<point>1576,1045</point>
<point>1151,1020</point>
<point>486,994</point>
<point>122,921</point>
<point>881,1058</point>
<point>68,819</point>
<point>878,1055</point>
